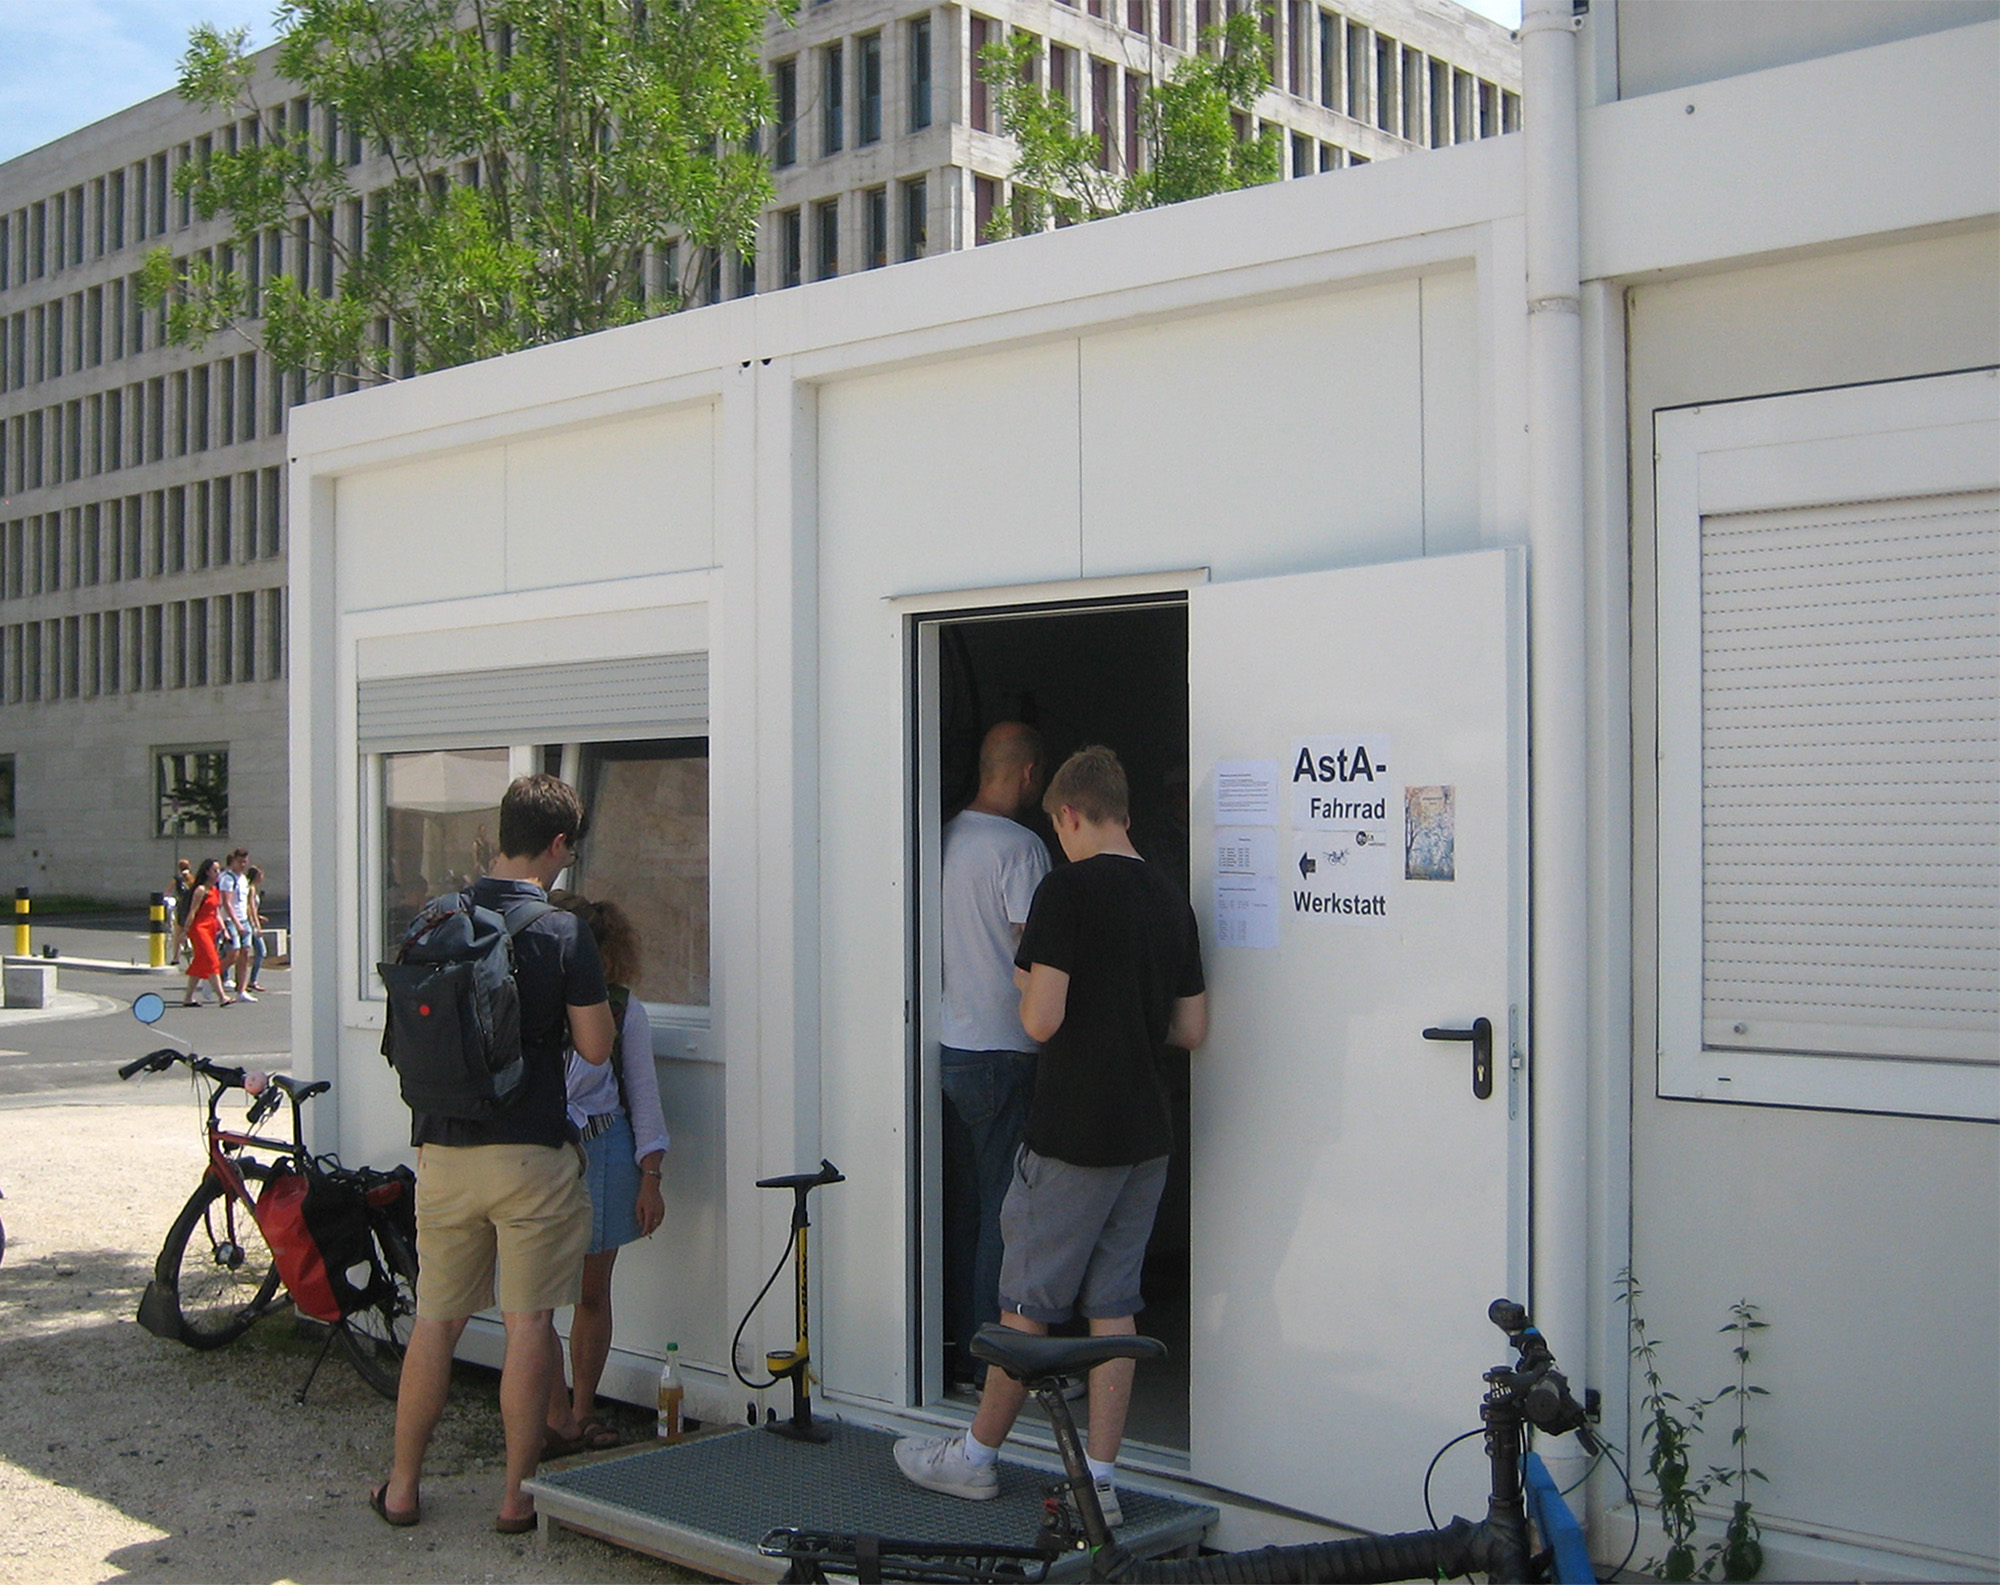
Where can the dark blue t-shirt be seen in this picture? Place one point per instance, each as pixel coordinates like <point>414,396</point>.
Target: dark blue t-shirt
<point>556,967</point>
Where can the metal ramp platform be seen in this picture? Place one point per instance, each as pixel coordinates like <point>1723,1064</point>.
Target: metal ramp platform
<point>707,1502</point>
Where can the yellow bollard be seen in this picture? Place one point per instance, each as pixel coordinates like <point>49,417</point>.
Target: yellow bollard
<point>21,948</point>
<point>156,954</point>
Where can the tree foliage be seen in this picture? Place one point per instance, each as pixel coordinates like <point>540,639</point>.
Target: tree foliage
<point>1189,123</point>
<point>537,149</point>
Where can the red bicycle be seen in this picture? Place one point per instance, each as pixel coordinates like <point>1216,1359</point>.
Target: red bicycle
<point>270,1221</point>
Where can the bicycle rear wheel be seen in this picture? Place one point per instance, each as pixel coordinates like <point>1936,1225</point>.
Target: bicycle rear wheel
<point>376,1335</point>
<point>216,1265</point>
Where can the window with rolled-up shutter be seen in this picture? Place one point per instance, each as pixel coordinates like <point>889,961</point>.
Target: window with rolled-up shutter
<point>581,702</point>
<point>1830,749</point>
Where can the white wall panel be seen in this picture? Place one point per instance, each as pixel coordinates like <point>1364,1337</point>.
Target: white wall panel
<point>958,475</point>
<point>1856,1233</point>
<point>1262,441</point>
<point>1451,415</point>
<point>636,495</point>
<point>953,475</point>
<point>421,531</point>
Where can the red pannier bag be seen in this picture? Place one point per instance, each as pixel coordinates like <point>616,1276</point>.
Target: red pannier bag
<point>281,1213</point>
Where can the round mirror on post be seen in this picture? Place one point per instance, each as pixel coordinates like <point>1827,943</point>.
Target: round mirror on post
<point>148,1008</point>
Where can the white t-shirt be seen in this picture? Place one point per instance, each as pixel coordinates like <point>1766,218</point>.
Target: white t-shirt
<point>233,887</point>
<point>991,869</point>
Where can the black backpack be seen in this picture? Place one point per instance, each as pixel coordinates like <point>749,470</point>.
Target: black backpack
<point>453,1033</point>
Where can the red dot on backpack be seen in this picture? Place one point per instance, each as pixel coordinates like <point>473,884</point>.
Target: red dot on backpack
<point>423,1009</point>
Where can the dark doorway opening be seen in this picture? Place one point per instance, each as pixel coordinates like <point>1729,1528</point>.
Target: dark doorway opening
<point>1114,674</point>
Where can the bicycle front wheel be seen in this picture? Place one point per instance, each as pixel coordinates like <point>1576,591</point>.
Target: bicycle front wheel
<point>216,1265</point>
<point>376,1335</point>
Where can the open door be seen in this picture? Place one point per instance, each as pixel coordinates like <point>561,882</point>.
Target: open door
<point>1359,776</point>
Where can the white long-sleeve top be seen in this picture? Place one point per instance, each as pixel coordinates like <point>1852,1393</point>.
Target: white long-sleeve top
<point>593,1090</point>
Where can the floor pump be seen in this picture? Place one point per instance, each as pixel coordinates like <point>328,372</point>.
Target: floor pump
<point>793,1362</point>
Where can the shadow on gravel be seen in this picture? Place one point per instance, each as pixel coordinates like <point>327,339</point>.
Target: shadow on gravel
<point>109,1434</point>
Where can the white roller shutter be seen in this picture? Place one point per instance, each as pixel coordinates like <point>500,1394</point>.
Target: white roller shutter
<point>1851,779</point>
<point>582,702</point>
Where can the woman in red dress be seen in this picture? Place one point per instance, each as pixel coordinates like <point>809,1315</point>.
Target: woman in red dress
<point>198,930</point>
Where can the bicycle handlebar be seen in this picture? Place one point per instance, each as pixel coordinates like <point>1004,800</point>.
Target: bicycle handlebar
<point>278,1085</point>
<point>1541,1389</point>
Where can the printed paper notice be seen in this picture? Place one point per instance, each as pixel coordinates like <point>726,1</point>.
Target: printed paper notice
<point>1246,887</point>
<point>1246,792</point>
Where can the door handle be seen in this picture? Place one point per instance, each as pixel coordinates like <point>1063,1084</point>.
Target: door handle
<point>1481,1036</point>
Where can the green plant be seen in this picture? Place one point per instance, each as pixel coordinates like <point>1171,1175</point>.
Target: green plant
<point>1190,124</point>
<point>1740,1552</point>
<point>540,157</point>
<point>1670,1430</point>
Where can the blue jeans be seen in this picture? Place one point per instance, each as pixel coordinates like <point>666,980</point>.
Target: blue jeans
<point>987,1095</point>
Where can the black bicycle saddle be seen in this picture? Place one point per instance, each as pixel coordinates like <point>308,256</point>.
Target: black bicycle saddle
<point>1028,1358</point>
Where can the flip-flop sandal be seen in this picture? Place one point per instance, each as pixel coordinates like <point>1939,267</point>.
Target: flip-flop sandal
<point>596,1435</point>
<point>378,1499</point>
<point>516,1526</point>
<point>556,1445</point>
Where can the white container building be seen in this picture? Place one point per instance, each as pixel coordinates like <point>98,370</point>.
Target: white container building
<point>1624,492</point>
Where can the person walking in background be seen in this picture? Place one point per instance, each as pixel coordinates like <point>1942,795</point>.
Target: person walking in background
<point>198,932</point>
<point>616,1108</point>
<point>177,903</point>
<point>986,1063</point>
<point>234,929</point>
<point>253,889</point>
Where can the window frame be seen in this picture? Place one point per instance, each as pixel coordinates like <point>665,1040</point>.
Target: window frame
<point>1933,435</point>
<point>173,827</point>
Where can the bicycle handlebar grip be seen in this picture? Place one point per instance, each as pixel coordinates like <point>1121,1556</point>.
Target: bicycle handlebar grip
<point>136,1065</point>
<point>1508,1316</point>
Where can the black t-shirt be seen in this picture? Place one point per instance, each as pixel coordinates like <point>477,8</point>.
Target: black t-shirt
<point>556,967</point>
<point>1126,938</point>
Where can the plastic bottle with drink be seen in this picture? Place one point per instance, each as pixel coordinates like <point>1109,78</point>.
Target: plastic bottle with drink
<point>671,1392</point>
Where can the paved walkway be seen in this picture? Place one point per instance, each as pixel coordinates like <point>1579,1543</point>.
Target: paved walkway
<point>64,1004</point>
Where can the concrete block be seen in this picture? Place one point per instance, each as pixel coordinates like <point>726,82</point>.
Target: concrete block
<point>29,982</point>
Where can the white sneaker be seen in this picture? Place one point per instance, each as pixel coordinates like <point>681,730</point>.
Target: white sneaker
<point>938,1463</point>
<point>1107,1499</point>
<point>245,996</point>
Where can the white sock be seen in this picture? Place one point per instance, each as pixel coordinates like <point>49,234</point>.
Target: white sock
<point>1101,1472</point>
<point>978,1454</point>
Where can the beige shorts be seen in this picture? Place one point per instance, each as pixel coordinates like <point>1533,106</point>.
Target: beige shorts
<point>523,1209</point>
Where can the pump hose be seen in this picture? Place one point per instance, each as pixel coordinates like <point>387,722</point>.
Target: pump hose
<point>1461,1547</point>
<point>736,1342</point>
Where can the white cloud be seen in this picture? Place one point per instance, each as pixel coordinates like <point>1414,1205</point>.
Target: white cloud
<point>67,63</point>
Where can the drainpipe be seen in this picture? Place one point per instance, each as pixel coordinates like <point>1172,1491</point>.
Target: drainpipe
<point>1557,713</point>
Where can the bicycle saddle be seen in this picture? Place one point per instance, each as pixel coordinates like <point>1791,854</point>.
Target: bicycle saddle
<point>1028,1358</point>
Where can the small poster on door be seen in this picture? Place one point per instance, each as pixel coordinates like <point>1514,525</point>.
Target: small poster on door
<point>1246,792</point>
<point>1246,887</point>
<point>1430,833</point>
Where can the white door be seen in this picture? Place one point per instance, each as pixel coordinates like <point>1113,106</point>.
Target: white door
<point>1359,771</point>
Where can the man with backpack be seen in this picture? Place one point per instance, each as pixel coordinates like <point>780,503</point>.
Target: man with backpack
<point>502,1208</point>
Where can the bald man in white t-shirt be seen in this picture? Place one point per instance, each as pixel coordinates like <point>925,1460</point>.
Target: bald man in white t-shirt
<point>992,865</point>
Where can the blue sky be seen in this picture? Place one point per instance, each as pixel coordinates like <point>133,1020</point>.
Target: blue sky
<point>67,63</point>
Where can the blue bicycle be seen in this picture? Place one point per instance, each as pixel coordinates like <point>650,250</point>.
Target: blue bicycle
<point>1528,1532</point>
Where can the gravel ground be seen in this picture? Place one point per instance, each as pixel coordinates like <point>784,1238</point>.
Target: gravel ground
<point>126,1457</point>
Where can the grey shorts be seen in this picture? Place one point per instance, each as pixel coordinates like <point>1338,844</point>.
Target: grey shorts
<point>1076,1237</point>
